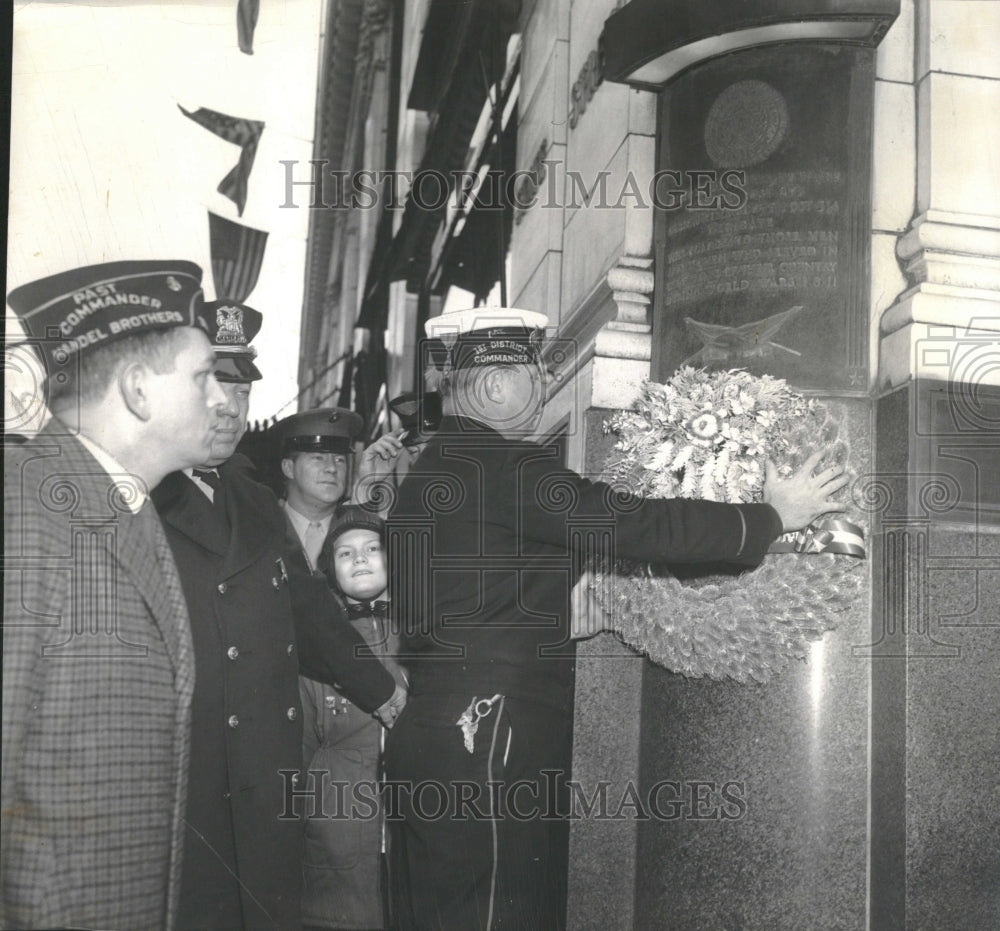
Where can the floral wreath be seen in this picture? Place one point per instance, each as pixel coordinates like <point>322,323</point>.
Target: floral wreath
<point>707,435</point>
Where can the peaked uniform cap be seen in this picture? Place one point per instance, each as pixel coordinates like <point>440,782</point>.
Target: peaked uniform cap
<point>480,336</point>
<point>232,327</point>
<point>325,430</point>
<point>448,327</point>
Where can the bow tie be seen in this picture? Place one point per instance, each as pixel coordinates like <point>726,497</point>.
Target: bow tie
<point>367,609</point>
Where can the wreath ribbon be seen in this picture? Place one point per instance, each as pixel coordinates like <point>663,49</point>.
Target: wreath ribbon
<point>824,536</point>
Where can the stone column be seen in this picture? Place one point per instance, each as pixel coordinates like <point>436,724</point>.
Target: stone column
<point>935,809</point>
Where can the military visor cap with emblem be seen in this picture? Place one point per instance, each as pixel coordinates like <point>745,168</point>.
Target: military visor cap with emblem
<point>232,327</point>
<point>78,311</point>
<point>326,430</point>
<point>480,336</point>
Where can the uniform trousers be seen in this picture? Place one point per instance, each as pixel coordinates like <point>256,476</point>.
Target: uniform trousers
<point>479,840</point>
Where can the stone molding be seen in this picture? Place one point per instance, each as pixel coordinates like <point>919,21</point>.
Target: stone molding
<point>941,251</point>
<point>623,347</point>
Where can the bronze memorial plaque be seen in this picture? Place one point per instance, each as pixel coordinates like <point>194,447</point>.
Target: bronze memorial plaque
<point>764,216</point>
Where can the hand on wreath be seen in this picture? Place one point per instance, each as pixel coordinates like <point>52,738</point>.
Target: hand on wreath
<point>803,496</point>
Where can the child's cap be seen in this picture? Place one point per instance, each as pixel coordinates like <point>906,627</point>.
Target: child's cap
<point>354,517</point>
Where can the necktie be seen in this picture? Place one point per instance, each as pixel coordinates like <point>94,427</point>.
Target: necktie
<point>211,478</point>
<point>357,609</point>
<point>313,542</point>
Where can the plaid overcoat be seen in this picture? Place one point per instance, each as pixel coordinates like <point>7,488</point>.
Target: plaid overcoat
<point>98,673</point>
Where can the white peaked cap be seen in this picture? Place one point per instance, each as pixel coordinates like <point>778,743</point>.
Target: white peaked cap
<point>473,319</point>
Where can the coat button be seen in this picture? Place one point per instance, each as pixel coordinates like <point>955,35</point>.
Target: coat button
<point>233,652</point>
<point>292,713</point>
<point>222,588</point>
<point>234,721</point>
<point>290,648</point>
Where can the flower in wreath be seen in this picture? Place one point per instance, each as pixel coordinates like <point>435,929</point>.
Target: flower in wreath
<point>703,429</point>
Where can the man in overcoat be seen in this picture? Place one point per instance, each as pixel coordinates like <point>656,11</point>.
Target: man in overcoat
<point>486,541</point>
<point>98,667</point>
<point>258,617</point>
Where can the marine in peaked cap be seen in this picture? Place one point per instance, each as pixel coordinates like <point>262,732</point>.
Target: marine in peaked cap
<point>111,668</point>
<point>315,448</point>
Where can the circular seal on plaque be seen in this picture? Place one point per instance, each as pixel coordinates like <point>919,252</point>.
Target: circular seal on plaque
<point>746,123</point>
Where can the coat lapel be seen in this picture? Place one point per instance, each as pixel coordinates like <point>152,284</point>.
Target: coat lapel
<point>136,543</point>
<point>258,524</point>
<point>145,555</point>
<point>185,508</point>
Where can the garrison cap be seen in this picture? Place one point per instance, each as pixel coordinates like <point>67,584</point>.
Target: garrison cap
<point>326,430</point>
<point>76,311</point>
<point>490,335</point>
<point>232,327</point>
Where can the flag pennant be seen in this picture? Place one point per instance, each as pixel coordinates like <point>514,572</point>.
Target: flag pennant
<point>245,134</point>
<point>237,256</point>
<point>246,22</point>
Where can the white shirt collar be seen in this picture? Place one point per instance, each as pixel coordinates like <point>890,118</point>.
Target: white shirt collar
<point>133,489</point>
<point>207,490</point>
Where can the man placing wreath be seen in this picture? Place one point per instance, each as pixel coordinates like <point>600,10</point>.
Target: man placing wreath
<point>486,540</point>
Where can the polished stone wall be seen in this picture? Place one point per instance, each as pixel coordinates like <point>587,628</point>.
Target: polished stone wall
<point>935,795</point>
<point>785,846</point>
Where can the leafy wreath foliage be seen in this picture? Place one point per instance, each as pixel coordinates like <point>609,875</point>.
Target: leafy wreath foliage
<point>707,435</point>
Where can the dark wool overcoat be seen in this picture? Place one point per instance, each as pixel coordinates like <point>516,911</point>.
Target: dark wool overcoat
<point>257,614</point>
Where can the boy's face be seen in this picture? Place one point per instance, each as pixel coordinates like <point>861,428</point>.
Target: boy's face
<point>359,564</point>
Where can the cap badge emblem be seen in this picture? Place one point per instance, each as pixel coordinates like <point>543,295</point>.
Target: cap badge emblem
<point>229,320</point>
<point>173,283</point>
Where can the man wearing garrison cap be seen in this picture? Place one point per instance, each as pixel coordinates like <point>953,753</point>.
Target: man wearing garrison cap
<point>485,540</point>
<point>97,657</point>
<point>258,617</point>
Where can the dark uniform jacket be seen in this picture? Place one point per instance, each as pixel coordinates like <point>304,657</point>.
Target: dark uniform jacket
<point>342,747</point>
<point>257,616</point>
<point>486,540</point>
<point>98,673</point>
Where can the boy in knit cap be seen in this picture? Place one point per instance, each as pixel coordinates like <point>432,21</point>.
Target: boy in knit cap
<point>342,745</point>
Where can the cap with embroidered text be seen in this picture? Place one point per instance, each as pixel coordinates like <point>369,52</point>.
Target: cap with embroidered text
<point>74,312</point>
<point>480,336</point>
<point>325,430</point>
<point>232,327</point>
